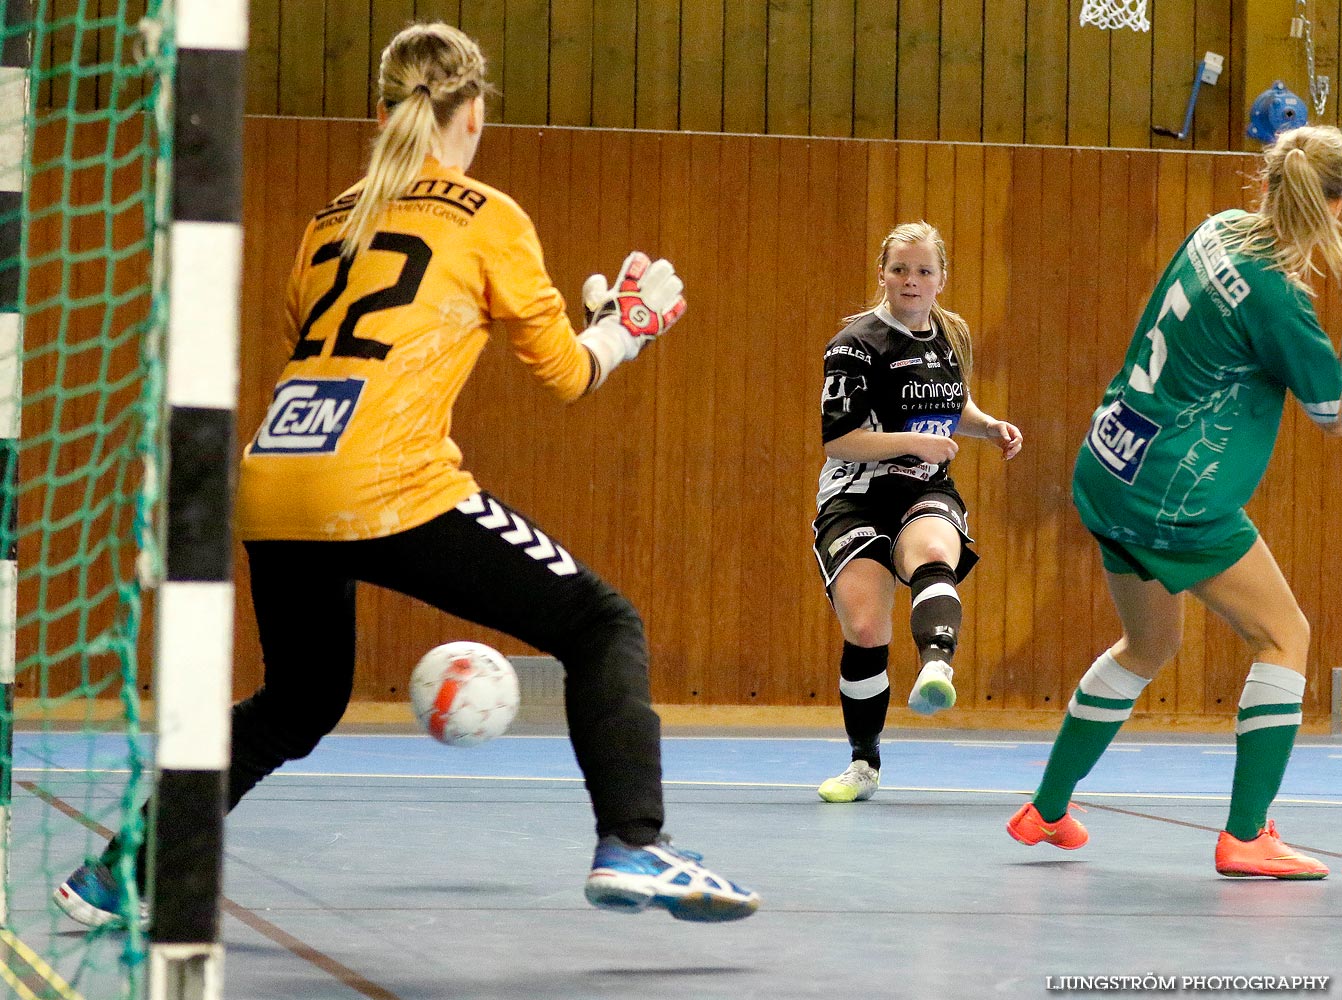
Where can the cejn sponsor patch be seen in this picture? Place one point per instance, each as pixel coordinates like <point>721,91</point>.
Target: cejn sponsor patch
<point>1119,437</point>
<point>308,416</point>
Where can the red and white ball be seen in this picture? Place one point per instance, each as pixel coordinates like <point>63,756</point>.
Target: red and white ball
<point>464,693</point>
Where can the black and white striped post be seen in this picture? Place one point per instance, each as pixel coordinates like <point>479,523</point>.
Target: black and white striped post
<point>14,59</point>
<point>194,664</point>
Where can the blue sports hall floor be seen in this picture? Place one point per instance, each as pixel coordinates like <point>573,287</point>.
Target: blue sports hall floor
<point>393,868</point>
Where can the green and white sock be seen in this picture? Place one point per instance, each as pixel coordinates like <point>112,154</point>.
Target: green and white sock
<point>1102,703</point>
<point>1269,717</point>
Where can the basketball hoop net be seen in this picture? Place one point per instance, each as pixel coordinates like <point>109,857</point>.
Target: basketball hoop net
<point>1115,14</point>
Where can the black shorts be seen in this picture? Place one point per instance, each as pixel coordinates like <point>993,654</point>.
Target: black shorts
<point>853,525</point>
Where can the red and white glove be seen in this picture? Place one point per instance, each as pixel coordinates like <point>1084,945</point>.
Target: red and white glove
<point>645,302</point>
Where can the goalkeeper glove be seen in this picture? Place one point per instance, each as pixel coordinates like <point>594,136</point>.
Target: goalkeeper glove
<point>645,302</point>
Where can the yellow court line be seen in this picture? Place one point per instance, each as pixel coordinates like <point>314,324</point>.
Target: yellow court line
<point>38,965</point>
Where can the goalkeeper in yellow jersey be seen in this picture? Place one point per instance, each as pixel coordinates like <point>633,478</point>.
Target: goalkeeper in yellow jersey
<point>353,475</point>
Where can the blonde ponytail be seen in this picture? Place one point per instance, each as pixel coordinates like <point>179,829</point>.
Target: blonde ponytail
<point>1300,176</point>
<point>397,157</point>
<point>427,72</point>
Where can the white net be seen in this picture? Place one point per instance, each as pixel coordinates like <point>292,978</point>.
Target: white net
<point>1115,14</point>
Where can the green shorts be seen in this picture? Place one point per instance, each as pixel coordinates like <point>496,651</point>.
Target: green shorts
<point>1177,571</point>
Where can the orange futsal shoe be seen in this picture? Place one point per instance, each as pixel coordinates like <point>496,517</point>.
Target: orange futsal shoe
<point>1264,856</point>
<point>1029,828</point>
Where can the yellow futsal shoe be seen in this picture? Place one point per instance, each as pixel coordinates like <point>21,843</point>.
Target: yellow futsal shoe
<point>857,784</point>
<point>933,691</point>
<point>1264,856</point>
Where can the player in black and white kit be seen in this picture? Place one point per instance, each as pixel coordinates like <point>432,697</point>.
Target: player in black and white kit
<point>896,391</point>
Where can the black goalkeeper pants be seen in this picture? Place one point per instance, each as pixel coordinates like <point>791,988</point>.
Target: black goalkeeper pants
<point>487,564</point>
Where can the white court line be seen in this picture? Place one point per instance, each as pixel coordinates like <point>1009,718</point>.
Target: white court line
<point>1218,753</point>
<point>1172,797</point>
<point>983,743</point>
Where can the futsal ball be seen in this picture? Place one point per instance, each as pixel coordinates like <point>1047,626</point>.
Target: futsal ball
<point>464,693</point>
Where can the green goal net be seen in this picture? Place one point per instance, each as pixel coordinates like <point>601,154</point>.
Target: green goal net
<point>83,154</point>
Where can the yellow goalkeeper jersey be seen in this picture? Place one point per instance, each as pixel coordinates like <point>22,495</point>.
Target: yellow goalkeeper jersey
<point>357,440</point>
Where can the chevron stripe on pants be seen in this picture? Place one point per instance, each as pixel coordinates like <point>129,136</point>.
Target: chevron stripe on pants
<point>485,563</point>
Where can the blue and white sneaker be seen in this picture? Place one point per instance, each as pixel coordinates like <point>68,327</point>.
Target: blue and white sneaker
<point>631,879</point>
<point>92,897</point>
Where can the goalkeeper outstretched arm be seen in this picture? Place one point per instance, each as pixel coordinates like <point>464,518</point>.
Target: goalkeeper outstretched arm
<point>644,303</point>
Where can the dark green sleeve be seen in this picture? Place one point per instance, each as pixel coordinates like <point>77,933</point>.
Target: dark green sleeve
<point>1286,336</point>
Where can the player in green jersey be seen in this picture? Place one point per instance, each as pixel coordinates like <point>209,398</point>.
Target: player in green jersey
<point>1174,452</point>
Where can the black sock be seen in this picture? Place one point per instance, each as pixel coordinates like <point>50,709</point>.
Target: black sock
<point>864,693</point>
<point>935,617</point>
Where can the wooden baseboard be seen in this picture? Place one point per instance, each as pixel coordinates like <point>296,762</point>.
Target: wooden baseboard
<point>825,719</point>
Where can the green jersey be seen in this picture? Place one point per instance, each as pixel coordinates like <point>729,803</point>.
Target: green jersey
<point>1185,430</point>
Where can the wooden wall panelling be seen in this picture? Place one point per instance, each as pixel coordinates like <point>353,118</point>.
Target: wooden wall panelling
<point>637,437</point>
<point>1027,312</point>
<point>58,57</point>
<point>1053,436</point>
<point>735,336</point>
<point>876,59</point>
<point>964,295</point>
<point>1090,92</point>
<point>917,96</point>
<point>1129,87</point>
<point>263,59</point>
<point>526,56</point>
<point>766,241</point>
<point>116,47</point>
<point>832,69</point>
<point>1046,36</point>
<point>345,58</point>
<point>992,601</point>
<point>668,616</point>
<point>302,76</point>
<point>882,180</point>
<point>487,22</point>
<point>614,26</point>
<point>702,353</point>
<point>702,60</point>
<point>745,61</point>
<point>788,77</point>
<point>910,186</point>
<point>1004,23</point>
<point>796,384</point>
<point>1174,56</point>
<point>1213,125</point>
<point>571,65</point>
<point>962,57</point>
<point>826,201</point>
<point>1079,561</point>
<point>1326,45</point>
<point>1054,252</point>
<point>657,83</point>
<point>790,66</point>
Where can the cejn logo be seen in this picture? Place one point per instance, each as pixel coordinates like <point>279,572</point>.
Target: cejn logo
<point>1119,437</point>
<point>308,416</point>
